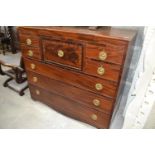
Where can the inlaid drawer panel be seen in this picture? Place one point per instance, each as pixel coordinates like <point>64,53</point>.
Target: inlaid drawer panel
<point>29,40</point>
<point>107,53</point>
<point>102,70</point>
<point>99,86</point>
<point>70,108</point>
<point>65,53</point>
<point>31,52</point>
<point>78,95</point>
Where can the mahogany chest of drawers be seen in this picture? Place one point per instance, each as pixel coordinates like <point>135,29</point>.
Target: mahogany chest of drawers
<point>77,71</point>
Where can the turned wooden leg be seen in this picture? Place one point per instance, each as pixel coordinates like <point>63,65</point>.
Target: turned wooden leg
<point>19,74</point>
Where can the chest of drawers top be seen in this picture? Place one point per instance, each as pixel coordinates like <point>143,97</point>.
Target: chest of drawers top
<point>83,67</point>
<point>113,33</point>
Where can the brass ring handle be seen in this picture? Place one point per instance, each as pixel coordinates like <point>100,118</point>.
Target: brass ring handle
<point>99,86</point>
<point>100,70</point>
<point>96,102</point>
<point>35,79</point>
<point>28,41</point>
<point>30,53</point>
<point>33,66</point>
<point>94,117</point>
<point>60,53</point>
<point>102,55</point>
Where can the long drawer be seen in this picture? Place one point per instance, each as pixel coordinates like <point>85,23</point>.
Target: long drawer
<point>70,108</point>
<point>78,95</point>
<point>99,86</point>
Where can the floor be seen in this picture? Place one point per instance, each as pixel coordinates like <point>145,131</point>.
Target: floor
<point>18,112</point>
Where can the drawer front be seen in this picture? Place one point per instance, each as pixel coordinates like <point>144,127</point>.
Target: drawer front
<point>31,52</point>
<point>70,108</point>
<point>109,53</point>
<point>78,95</point>
<point>102,70</point>
<point>64,53</point>
<point>29,40</point>
<point>99,86</point>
